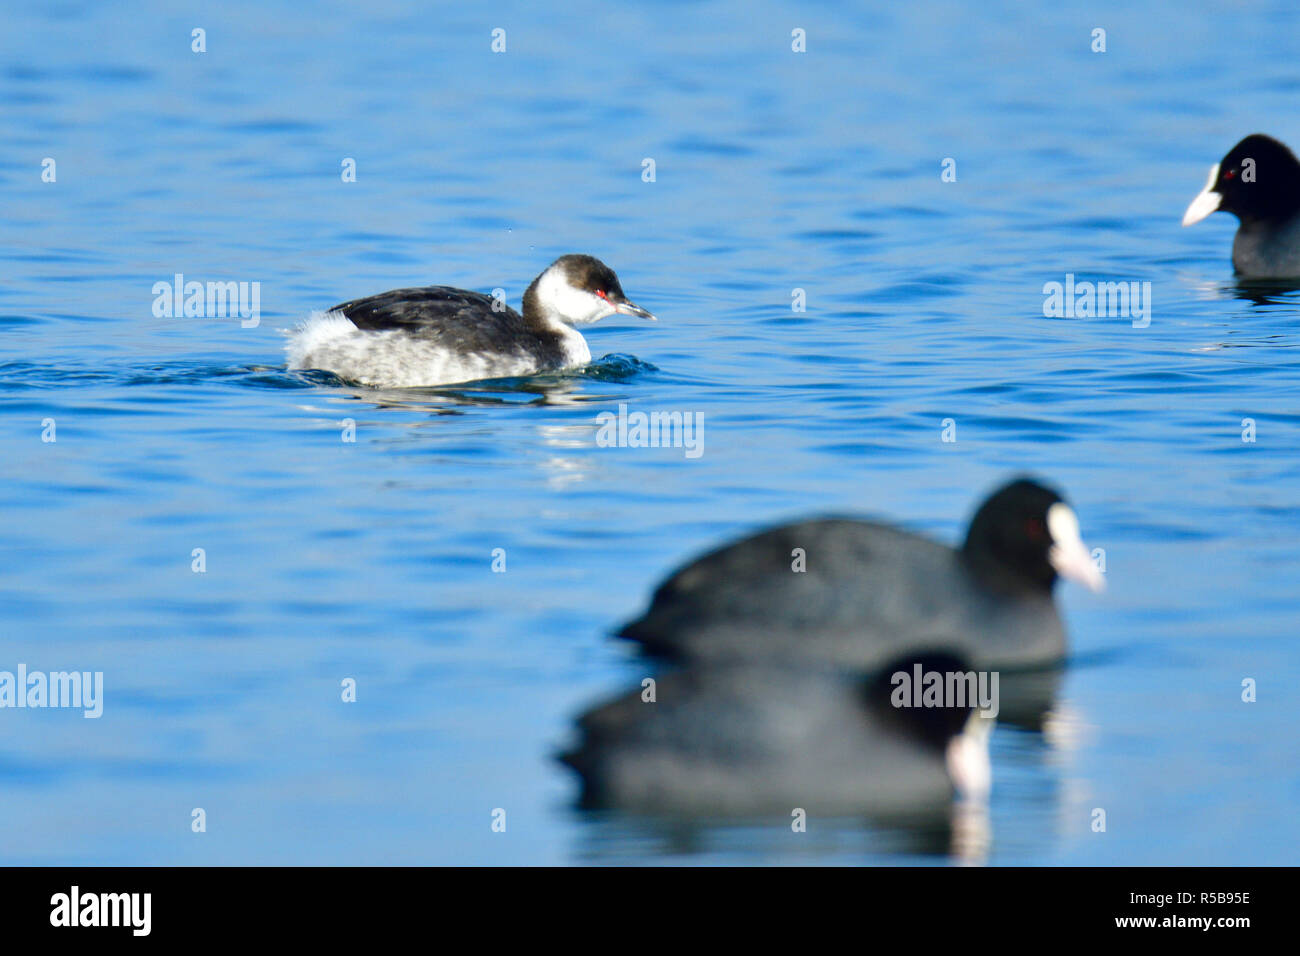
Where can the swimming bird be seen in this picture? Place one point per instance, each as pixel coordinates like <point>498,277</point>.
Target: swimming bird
<point>438,335</point>
<point>739,740</point>
<point>856,593</point>
<point>1258,181</point>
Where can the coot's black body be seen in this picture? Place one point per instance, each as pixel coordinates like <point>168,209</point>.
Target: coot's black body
<point>745,739</point>
<point>870,592</point>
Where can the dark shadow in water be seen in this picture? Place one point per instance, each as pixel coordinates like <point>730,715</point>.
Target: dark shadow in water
<point>1261,292</point>
<point>1027,697</point>
<point>610,837</point>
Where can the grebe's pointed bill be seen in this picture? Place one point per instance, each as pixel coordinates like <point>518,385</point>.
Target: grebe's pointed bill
<point>1206,202</point>
<point>1068,554</point>
<point>624,307</point>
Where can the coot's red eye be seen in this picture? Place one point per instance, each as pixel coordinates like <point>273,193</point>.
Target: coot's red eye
<point>1034,528</point>
<point>1230,174</point>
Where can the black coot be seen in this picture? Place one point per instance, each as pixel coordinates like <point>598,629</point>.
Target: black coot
<point>1258,181</point>
<point>751,739</point>
<point>868,593</point>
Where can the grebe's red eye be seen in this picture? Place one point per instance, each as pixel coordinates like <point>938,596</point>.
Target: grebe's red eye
<point>601,293</point>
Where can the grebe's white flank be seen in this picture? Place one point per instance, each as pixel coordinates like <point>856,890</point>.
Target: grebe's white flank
<point>438,335</point>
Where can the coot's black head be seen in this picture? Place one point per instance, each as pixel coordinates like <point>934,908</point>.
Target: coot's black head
<point>577,290</point>
<point>932,727</point>
<point>954,728</point>
<point>1258,181</point>
<point>1024,536</point>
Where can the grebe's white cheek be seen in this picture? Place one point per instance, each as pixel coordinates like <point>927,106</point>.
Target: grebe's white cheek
<point>600,309</point>
<point>583,308</point>
<point>567,303</point>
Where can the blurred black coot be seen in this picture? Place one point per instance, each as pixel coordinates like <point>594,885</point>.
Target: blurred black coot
<point>870,592</point>
<point>728,740</point>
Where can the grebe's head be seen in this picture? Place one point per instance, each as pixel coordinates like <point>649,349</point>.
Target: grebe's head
<point>578,290</point>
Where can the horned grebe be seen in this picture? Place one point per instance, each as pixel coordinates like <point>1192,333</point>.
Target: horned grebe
<point>438,335</point>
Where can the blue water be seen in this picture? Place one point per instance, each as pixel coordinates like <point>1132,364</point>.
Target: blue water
<point>775,171</point>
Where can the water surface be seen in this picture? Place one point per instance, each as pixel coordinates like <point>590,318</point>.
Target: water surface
<point>775,171</point>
